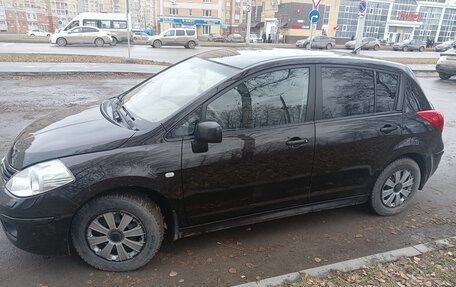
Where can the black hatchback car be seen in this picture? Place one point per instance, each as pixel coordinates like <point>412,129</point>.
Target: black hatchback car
<point>222,139</point>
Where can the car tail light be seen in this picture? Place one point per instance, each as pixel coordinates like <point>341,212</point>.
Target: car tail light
<point>434,117</point>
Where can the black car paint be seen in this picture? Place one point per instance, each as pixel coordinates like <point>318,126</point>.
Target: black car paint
<point>108,158</point>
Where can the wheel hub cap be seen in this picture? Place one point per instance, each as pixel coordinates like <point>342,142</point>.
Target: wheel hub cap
<point>116,236</point>
<point>397,188</point>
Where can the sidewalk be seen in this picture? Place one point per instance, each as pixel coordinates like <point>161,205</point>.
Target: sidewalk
<point>46,68</point>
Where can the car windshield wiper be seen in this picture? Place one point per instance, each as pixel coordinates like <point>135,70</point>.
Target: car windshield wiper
<point>117,106</point>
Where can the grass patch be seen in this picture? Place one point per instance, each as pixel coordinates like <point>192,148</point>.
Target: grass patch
<point>62,58</point>
<point>412,60</point>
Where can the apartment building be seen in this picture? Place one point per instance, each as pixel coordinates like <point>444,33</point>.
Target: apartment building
<point>203,15</point>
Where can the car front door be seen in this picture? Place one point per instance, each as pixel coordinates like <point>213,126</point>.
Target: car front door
<point>264,161</point>
<point>74,36</point>
<point>358,125</point>
<point>169,37</point>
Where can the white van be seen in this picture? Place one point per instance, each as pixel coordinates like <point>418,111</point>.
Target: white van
<point>115,23</point>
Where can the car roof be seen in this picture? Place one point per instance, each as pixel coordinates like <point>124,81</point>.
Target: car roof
<point>244,59</point>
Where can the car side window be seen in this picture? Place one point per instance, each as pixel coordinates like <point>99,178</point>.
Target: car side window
<point>387,89</point>
<point>270,99</point>
<point>170,33</point>
<point>415,99</point>
<point>180,33</point>
<point>76,30</point>
<point>186,127</point>
<point>89,30</point>
<point>190,32</point>
<point>347,92</point>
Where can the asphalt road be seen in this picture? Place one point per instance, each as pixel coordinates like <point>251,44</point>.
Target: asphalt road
<point>167,54</point>
<point>264,250</point>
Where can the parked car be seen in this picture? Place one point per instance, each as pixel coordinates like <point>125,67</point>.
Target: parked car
<point>317,42</point>
<point>446,65</point>
<point>367,43</point>
<point>235,38</point>
<point>203,37</point>
<point>410,45</point>
<point>216,38</point>
<point>222,139</point>
<point>140,36</point>
<point>254,38</point>
<point>38,32</point>
<point>82,35</point>
<point>175,37</point>
<point>445,46</point>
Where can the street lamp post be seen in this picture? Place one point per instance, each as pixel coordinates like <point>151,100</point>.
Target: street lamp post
<point>249,20</point>
<point>128,29</point>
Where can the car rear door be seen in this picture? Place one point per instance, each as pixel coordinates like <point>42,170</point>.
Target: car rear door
<point>358,124</point>
<point>264,161</point>
<point>181,37</point>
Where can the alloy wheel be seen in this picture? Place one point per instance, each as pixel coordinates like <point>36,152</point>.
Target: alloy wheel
<point>397,188</point>
<point>116,236</point>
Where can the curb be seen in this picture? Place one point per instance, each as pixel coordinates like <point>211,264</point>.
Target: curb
<point>354,264</point>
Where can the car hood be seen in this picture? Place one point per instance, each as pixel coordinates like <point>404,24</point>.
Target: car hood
<point>68,132</point>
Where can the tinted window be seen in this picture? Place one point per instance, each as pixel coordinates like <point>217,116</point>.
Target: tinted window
<point>273,98</point>
<point>190,32</point>
<point>416,101</point>
<point>347,92</point>
<point>119,24</point>
<point>93,23</point>
<point>180,33</point>
<point>387,87</point>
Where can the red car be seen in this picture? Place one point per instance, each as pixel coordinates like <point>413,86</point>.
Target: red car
<point>216,38</point>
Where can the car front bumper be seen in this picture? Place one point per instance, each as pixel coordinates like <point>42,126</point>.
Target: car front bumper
<point>446,69</point>
<point>38,224</point>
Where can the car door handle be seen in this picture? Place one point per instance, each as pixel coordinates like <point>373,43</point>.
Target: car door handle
<point>294,142</point>
<point>388,128</point>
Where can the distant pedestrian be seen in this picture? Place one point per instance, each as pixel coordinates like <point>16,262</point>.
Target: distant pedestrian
<point>264,37</point>
<point>353,37</point>
<point>428,42</point>
<point>269,38</point>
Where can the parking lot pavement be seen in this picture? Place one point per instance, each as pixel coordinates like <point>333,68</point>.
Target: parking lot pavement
<point>167,54</point>
<point>257,251</point>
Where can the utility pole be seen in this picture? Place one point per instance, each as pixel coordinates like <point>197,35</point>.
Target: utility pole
<point>249,20</point>
<point>128,28</point>
<point>309,47</point>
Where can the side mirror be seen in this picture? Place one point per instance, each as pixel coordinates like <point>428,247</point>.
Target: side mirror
<point>206,132</point>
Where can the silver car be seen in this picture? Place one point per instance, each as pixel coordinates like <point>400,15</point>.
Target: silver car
<point>366,44</point>
<point>175,37</point>
<point>446,65</point>
<point>235,38</point>
<point>410,45</point>
<point>82,35</point>
<point>445,46</point>
<point>322,42</point>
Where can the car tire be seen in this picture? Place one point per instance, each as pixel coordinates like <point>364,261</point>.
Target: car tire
<point>157,44</point>
<point>114,41</point>
<point>328,47</point>
<point>444,76</point>
<point>61,42</point>
<point>99,42</point>
<point>389,196</point>
<point>376,47</point>
<point>191,45</point>
<point>405,49</point>
<point>421,49</point>
<point>142,215</point>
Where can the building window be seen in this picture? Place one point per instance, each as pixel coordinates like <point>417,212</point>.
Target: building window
<point>206,29</point>
<point>173,11</point>
<point>206,1</point>
<point>190,13</point>
<point>207,13</point>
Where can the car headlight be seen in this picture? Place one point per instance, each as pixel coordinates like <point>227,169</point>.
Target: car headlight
<point>39,178</point>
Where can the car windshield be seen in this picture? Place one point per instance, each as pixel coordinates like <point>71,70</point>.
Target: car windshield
<point>169,91</point>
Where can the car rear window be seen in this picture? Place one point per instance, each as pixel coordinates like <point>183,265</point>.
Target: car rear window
<point>347,92</point>
<point>190,32</point>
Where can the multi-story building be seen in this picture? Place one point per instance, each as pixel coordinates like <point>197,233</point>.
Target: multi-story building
<point>232,17</point>
<point>143,14</point>
<point>397,20</point>
<point>203,15</point>
<point>3,27</point>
